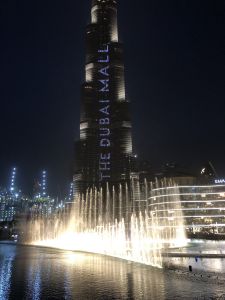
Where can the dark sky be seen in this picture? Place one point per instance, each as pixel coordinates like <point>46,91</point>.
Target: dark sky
<point>175,75</point>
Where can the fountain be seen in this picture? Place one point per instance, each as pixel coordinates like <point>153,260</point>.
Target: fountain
<point>117,221</point>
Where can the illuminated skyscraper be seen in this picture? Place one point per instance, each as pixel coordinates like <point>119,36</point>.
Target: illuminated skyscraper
<point>104,150</point>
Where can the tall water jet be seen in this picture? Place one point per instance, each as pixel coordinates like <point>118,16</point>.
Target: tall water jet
<point>166,211</point>
<point>109,222</point>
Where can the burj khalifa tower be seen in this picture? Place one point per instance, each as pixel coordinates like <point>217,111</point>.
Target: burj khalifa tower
<point>103,153</point>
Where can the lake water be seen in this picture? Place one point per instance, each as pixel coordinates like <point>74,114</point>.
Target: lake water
<point>38,273</point>
<point>201,264</point>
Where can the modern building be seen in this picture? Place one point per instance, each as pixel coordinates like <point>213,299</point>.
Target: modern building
<point>104,150</point>
<point>202,206</point>
<point>7,211</point>
<point>10,199</point>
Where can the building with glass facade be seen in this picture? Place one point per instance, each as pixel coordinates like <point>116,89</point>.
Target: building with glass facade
<point>202,206</point>
<point>9,206</point>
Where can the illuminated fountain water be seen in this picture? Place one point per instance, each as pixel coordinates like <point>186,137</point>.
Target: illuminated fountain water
<point>108,222</point>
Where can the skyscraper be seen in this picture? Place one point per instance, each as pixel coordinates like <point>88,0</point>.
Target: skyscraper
<point>104,150</point>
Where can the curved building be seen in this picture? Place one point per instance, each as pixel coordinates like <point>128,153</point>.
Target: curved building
<point>201,206</point>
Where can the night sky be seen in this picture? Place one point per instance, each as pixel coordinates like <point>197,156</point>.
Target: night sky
<point>175,75</point>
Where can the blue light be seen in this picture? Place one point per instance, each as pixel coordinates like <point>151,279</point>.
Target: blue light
<point>220,181</point>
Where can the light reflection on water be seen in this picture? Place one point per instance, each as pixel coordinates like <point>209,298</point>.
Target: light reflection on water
<point>6,259</point>
<point>35,273</point>
<point>33,280</point>
<point>201,264</point>
<point>205,247</point>
<point>198,247</point>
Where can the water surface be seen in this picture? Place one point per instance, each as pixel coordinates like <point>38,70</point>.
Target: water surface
<point>198,247</point>
<point>38,273</point>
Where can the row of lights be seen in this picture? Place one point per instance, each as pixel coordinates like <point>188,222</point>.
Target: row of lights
<point>43,183</point>
<point>13,177</point>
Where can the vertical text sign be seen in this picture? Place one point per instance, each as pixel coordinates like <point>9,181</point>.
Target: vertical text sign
<point>104,115</point>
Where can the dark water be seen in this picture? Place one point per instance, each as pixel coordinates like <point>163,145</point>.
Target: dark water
<point>37,273</point>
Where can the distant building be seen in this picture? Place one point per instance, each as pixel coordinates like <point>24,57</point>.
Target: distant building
<point>10,205</point>
<point>202,206</point>
<point>10,199</point>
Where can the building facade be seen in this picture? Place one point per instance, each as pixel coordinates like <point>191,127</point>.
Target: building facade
<point>104,151</point>
<point>10,205</point>
<point>202,207</point>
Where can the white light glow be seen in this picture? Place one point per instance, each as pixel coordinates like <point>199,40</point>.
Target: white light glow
<point>93,227</point>
<point>187,194</point>
<point>188,201</point>
<point>189,187</point>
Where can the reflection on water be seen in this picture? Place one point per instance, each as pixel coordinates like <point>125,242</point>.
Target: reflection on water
<point>198,247</point>
<point>34,280</point>
<point>7,255</point>
<point>125,280</point>
<point>198,264</point>
<point>205,247</point>
<point>35,273</point>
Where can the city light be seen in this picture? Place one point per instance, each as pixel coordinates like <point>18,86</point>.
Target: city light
<point>98,221</point>
<point>12,180</point>
<point>43,185</point>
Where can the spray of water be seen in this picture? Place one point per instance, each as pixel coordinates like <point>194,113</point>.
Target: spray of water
<point>115,222</point>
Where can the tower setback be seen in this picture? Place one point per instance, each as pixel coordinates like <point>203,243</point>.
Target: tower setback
<point>104,150</point>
